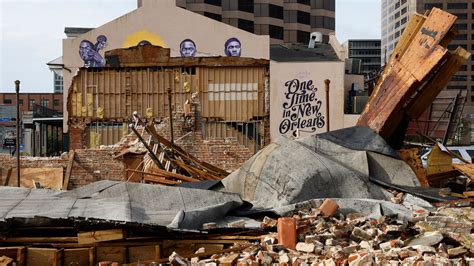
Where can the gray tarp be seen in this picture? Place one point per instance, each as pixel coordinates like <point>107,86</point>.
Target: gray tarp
<point>120,201</point>
<point>331,165</point>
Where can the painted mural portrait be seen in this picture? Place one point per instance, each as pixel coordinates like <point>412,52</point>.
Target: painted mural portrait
<point>89,52</point>
<point>100,44</point>
<point>144,42</point>
<point>232,47</point>
<point>187,48</point>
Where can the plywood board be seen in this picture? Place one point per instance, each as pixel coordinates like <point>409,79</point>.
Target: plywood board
<point>76,256</point>
<point>47,177</point>
<point>100,236</point>
<point>438,162</point>
<point>43,256</point>
<point>114,254</point>
<point>465,169</point>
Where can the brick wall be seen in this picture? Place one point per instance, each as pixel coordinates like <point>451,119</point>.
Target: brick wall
<point>89,165</point>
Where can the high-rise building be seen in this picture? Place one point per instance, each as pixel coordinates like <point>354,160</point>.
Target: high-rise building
<point>395,15</point>
<point>367,51</point>
<point>286,21</point>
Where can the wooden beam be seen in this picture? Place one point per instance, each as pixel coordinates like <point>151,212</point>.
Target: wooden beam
<point>39,240</point>
<point>160,178</point>
<point>7,179</point>
<point>72,154</point>
<point>425,97</point>
<point>100,236</point>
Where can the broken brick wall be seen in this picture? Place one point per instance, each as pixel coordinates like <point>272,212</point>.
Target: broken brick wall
<point>90,165</point>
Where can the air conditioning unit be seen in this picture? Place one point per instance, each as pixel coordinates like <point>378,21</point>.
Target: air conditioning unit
<point>314,38</point>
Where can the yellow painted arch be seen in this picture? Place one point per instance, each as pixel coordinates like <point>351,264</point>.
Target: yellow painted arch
<point>136,37</point>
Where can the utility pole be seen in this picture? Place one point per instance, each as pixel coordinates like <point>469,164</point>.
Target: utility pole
<point>17,89</point>
<point>326,83</point>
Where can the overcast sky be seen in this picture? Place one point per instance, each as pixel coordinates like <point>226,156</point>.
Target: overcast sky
<point>32,30</point>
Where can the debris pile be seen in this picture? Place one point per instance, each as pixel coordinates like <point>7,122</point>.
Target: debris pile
<point>309,237</point>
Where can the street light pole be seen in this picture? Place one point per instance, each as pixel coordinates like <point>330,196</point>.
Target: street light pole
<point>17,89</point>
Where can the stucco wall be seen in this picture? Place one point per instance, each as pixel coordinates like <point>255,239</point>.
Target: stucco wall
<point>307,102</point>
<point>162,23</point>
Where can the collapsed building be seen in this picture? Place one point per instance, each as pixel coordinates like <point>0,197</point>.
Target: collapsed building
<point>346,195</point>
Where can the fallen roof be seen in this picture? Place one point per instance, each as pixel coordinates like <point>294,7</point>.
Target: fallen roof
<point>298,53</point>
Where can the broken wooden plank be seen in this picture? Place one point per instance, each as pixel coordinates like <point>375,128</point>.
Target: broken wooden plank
<point>416,57</point>
<point>39,240</point>
<point>100,236</point>
<point>426,96</point>
<point>7,178</point>
<point>157,178</point>
<point>468,194</point>
<point>465,169</point>
<point>229,260</point>
<point>43,256</point>
<point>70,162</point>
<point>5,261</point>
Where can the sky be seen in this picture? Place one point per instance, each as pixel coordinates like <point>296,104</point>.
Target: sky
<point>32,32</point>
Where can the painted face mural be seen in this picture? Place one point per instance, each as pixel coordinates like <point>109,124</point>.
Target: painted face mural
<point>232,47</point>
<point>144,42</point>
<point>187,48</point>
<point>89,52</point>
<point>100,44</point>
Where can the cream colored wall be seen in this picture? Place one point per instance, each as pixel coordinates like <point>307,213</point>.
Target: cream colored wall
<point>166,24</point>
<point>317,72</point>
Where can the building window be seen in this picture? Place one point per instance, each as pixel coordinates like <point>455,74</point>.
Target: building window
<point>246,25</point>
<point>246,5</point>
<point>213,16</point>
<point>404,20</point>
<point>457,5</point>
<point>461,15</point>
<point>404,10</point>
<point>317,22</point>
<point>456,87</point>
<point>55,102</point>
<point>461,37</point>
<point>289,16</point>
<point>461,26</point>
<point>275,32</point>
<point>303,17</point>
<point>7,101</point>
<point>44,102</point>
<point>304,2</point>
<point>58,83</point>
<point>324,4</point>
<point>431,5</point>
<point>463,68</point>
<point>213,2</point>
<point>31,104</point>
<point>275,11</point>
<point>302,36</point>
<point>329,23</point>
<point>20,101</point>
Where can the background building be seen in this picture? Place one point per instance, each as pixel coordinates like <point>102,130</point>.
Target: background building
<point>395,15</point>
<point>286,21</point>
<point>41,122</point>
<point>367,51</point>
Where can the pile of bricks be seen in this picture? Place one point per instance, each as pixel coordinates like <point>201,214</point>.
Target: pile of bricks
<point>325,237</point>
